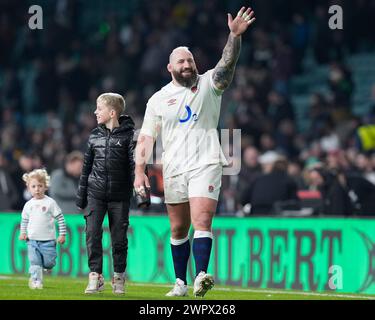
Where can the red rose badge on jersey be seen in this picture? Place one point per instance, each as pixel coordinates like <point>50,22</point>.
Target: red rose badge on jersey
<point>194,89</point>
<point>210,188</point>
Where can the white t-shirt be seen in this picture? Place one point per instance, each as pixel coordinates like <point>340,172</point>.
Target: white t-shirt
<point>188,120</point>
<point>41,214</point>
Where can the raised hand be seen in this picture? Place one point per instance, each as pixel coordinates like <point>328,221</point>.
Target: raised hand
<point>242,21</point>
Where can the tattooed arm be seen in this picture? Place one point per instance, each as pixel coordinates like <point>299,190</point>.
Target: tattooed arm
<point>224,70</point>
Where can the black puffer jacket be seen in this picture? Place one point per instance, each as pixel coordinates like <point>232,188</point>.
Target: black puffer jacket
<point>108,168</point>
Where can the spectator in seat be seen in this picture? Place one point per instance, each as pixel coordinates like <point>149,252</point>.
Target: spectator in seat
<point>343,194</point>
<point>273,186</point>
<point>64,182</point>
<point>8,191</point>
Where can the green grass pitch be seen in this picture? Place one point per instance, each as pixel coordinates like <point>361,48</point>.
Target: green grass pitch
<point>15,287</point>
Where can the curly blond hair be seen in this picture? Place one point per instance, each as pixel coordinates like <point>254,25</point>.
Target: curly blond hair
<point>39,174</point>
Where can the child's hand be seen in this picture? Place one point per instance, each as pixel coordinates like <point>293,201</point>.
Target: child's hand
<point>61,239</point>
<point>23,236</point>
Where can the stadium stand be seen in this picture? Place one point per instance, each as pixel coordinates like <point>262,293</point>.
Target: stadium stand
<point>300,89</point>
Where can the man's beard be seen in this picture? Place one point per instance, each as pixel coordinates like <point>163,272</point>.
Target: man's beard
<point>188,81</point>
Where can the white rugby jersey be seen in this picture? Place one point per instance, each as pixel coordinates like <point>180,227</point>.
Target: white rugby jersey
<point>188,120</point>
<point>38,219</point>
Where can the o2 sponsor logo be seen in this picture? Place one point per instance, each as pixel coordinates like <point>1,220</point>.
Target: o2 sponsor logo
<point>190,115</point>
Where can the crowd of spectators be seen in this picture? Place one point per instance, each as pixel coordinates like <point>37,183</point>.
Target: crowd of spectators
<point>50,78</point>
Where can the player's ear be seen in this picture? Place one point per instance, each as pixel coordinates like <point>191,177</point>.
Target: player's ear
<point>169,67</point>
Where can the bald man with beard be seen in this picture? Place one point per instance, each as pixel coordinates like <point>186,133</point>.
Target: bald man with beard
<point>186,112</point>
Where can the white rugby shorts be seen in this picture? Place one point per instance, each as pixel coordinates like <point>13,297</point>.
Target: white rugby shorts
<point>201,182</point>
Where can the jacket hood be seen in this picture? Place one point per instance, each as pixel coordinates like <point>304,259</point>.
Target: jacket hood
<point>126,122</point>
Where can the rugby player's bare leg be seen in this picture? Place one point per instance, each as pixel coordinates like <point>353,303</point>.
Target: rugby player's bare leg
<point>202,212</point>
<point>179,219</point>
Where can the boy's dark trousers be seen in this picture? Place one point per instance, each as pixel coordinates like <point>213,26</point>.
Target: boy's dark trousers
<point>118,218</point>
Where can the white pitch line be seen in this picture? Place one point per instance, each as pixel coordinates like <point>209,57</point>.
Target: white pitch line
<point>8,278</point>
<point>265,291</point>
